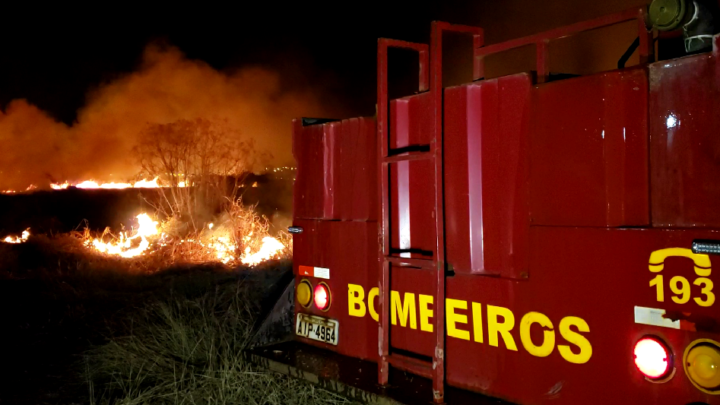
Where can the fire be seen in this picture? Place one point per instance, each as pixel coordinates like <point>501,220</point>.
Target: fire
<point>218,244</point>
<point>62,186</point>
<point>224,249</point>
<point>90,184</point>
<point>29,188</point>
<point>123,248</point>
<point>147,183</point>
<point>270,249</point>
<point>18,239</point>
<point>144,183</point>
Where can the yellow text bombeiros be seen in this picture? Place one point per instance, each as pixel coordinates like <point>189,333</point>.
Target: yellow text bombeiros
<point>473,320</point>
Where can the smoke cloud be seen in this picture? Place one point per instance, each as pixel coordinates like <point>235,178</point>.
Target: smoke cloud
<point>38,150</point>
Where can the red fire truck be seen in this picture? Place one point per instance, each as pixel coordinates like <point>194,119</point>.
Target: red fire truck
<point>517,239</point>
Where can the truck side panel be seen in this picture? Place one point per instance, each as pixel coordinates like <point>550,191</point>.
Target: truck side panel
<point>685,150</point>
<point>589,156</point>
<point>486,176</point>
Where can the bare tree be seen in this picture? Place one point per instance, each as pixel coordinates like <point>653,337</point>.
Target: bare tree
<point>204,161</point>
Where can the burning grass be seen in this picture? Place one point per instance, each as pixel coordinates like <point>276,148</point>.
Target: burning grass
<point>165,340</point>
<point>202,155</point>
<point>17,239</point>
<point>238,237</point>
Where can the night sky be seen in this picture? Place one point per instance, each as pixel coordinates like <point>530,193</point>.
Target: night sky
<point>53,57</point>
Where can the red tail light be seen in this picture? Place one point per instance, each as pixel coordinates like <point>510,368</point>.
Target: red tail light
<point>652,358</point>
<point>322,296</point>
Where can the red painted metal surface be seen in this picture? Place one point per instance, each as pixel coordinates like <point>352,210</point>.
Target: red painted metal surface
<point>308,150</point>
<point>362,192</point>
<point>589,164</point>
<point>548,314</point>
<point>342,154</point>
<point>331,175</point>
<point>486,176</point>
<point>412,222</point>
<point>335,198</point>
<point>598,275</point>
<point>348,249</point>
<point>411,120</point>
<point>407,338</point>
<point>348,161</point>
<point>685,148</point>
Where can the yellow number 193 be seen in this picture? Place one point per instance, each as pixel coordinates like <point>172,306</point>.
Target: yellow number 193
<point>707,286</point>
<point>657,282</point>
<point>680,286</point>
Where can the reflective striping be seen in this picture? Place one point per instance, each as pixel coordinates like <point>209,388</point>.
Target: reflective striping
<point>318,272</point>
<point>306,271</point>
<point>654,317</point>
<point>321,272</point>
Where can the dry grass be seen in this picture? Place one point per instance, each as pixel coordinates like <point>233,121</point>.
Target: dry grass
<point>233,235</point>
<point>172,337</point>
<point>190,351</point>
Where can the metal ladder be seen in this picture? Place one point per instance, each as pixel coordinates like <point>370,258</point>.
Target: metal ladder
<point>432,76</point>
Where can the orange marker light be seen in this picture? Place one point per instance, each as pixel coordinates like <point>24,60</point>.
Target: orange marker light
<point>304,293</point>
<point>652,357</point>
<point>322,296</point>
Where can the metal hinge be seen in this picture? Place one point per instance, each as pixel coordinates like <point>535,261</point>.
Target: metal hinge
<point>711,247</point>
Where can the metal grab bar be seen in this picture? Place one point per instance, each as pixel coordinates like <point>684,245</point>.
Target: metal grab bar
<point>382,83</point>
<point>542,39</point>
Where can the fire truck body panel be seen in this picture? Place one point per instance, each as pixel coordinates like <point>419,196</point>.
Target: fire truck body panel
<point>334,162</point>
<point>487,175</point>
<point>598,275</point>
<point>595,284</point>
<point>559,198</point>
<point>684,101</point>
<point>589,151</point>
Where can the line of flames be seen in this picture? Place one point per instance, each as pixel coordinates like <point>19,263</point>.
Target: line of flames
<point>127,246</point>
<point>92,184</point>
<point>144,183</point>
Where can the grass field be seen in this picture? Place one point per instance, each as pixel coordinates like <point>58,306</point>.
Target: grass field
<point>82,329</point>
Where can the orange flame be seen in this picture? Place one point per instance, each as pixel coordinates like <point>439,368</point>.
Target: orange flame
<point>62,186</point>
<point>270,249</point>
<point>18,239</point>
<point>90,184</point>
<point>123,248</point>
<point>222,247</point>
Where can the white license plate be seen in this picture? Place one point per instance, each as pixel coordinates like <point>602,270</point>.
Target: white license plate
<point>317,328</point>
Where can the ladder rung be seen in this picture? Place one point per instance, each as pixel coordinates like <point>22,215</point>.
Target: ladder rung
<point>407,262</point>
<point>422,368</point>
<point>408,156</point>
